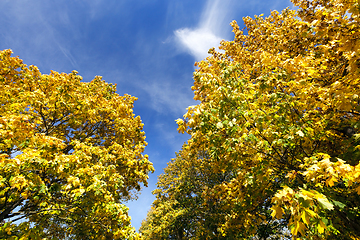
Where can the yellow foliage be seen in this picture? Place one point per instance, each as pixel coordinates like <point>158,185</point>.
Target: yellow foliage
<point>278,116</point>
<point>70,153</point>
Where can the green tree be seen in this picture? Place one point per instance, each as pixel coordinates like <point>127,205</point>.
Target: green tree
<point>181,210</point>
<point>279,110</point>
<point>70,155</point>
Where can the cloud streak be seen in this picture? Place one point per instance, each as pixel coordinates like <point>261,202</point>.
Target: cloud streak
<point>208,33</point>
<point>168,98</point>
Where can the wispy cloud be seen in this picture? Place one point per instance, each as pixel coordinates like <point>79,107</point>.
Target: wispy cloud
<point>68,55</point>
<point>208,33</point>
<point>167,98</point>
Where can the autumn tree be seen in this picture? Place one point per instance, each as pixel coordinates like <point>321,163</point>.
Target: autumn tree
<point>70,155</point>
<point>181,209</point>
<point>279,110</point>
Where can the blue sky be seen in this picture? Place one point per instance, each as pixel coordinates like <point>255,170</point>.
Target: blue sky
<point>147,47</point>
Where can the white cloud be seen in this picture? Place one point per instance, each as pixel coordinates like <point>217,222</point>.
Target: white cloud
<point>210,30</point>
<point>198,41</point>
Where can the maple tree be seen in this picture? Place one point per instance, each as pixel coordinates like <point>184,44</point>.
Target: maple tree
<point>71,154</point>
<point>279,115</point>
<point>180,210</point>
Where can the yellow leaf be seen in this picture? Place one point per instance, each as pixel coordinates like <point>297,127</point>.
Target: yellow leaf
<point>305,218</point>
<point>311,212</point>
<point>276,211</point>
<point>358,190</point>
<point>330,181</point>
<point>321,227</point>
<point>324,202</point>
<point>299,227</point>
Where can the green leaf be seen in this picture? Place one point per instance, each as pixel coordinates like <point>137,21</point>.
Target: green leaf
<point>339,204</point>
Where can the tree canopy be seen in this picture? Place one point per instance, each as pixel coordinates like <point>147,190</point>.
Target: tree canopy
<point>274,147</point>
<point>71,153</point>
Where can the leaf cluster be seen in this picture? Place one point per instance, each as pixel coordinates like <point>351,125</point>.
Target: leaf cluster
<point>70,155</point>
<point>279,114</point>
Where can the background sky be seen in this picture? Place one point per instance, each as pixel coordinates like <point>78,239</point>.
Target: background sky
<point>147,47</point>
